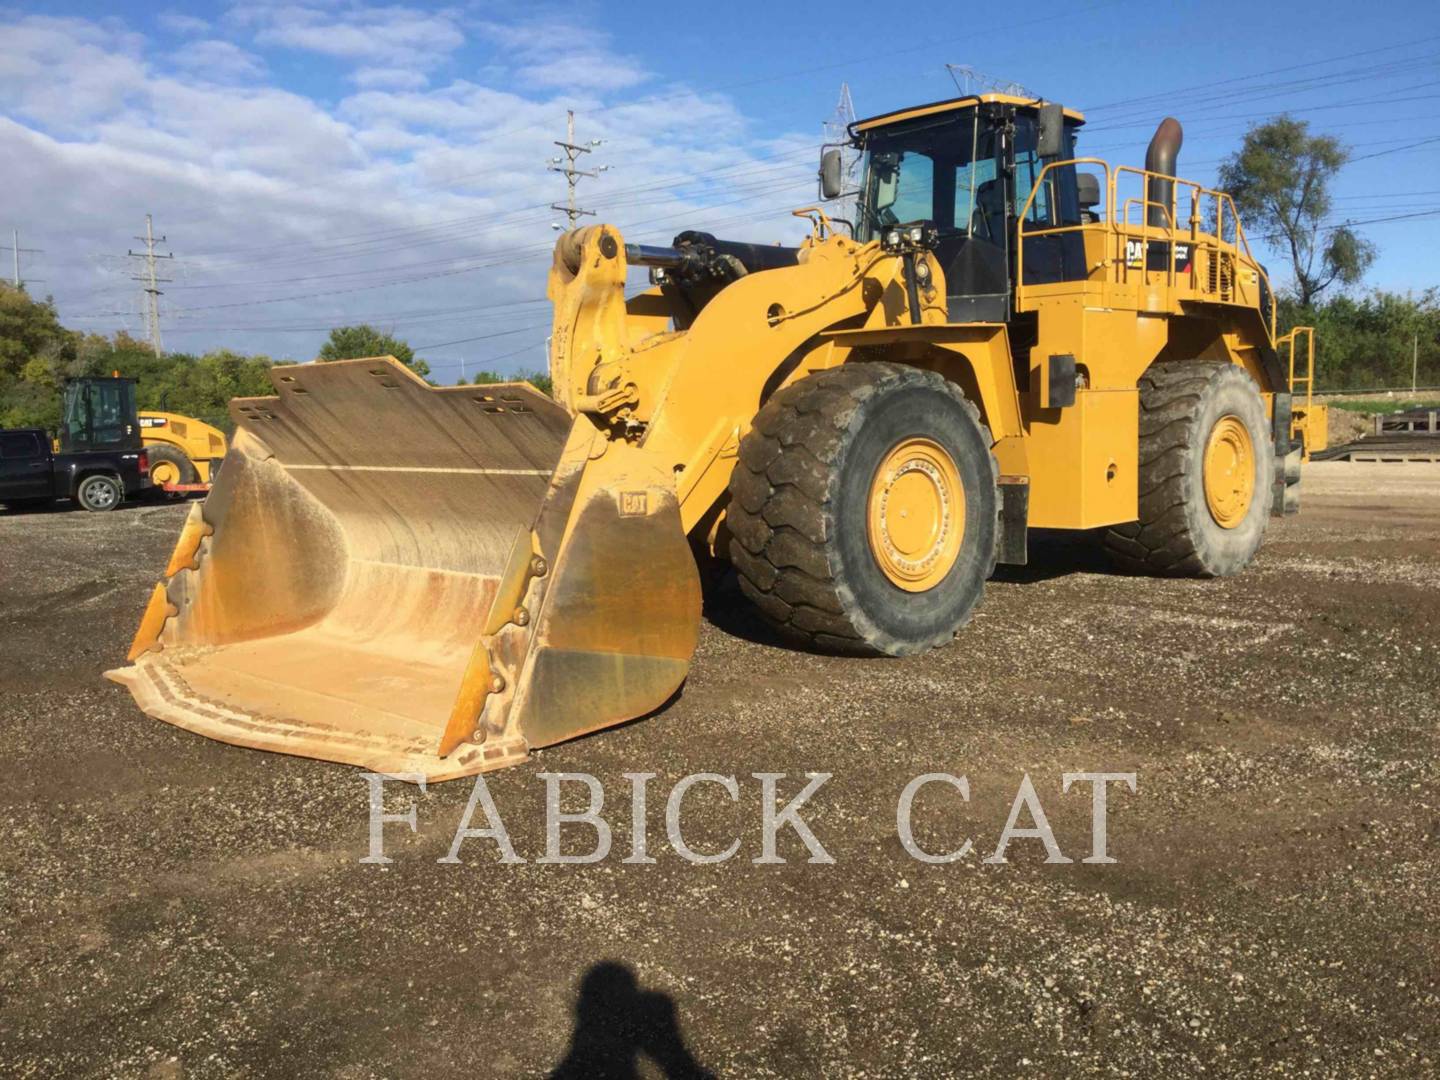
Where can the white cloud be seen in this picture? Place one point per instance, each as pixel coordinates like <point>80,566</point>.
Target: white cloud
<point>388,78</point>
<point>394,36</point>
<point>583,71</point>
<point>552,53</point>
<point>285,211</point>
<point>178,23</point>
<point>217,60</point>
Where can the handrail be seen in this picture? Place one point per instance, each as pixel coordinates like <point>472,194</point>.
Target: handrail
<point>1216,244</point>
<point>1308,378</point>
<point>1029,201</point>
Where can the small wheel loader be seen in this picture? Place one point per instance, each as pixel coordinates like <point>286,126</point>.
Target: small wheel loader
<point>434,581</point>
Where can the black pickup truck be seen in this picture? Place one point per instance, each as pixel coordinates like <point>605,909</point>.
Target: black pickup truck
<point>32,474</point>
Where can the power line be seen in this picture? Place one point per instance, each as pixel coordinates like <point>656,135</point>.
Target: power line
<point>491,259</point>
<point>1210,85</point>
<point>482,337</point>
<point>473,224</point>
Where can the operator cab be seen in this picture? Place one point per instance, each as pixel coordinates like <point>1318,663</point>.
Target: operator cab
<point>965,167</point>
<point>100,414</point>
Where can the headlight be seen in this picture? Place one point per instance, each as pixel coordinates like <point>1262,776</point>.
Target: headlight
<point>917,233</point>
<point>892,238</point>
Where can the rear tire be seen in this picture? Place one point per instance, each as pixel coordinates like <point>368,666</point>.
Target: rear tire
<point>1206,470</point>
<point>99,493</point>
<point>863,510</point>
<point>167,462</point>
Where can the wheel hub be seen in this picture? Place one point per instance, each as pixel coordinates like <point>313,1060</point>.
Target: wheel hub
<point>164,472</point>
<point>1229,472</point>
<point>916,517</point>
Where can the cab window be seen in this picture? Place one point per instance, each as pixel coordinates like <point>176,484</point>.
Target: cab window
<point>20,445</point>
<point>904,187</point>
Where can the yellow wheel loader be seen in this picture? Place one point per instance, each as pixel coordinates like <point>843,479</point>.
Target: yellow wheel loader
<point>435,581</point>
<point>185,453</point>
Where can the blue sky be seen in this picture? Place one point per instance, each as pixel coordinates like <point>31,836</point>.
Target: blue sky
<point>325,162</point>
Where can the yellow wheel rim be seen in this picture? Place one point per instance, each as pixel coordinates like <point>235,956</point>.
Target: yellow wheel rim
<point>164,472</point>
<point>1229,472</point>
<point>916,517</point>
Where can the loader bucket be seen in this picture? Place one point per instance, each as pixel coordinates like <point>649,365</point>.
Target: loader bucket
<point>358,587</point>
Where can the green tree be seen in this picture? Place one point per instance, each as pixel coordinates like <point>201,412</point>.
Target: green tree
<point>1370,342</point>
<point>29,329</point>
<point>1280,181</point>
<point>38,355</point>
<point>538,379</point>
<point>357,342</point>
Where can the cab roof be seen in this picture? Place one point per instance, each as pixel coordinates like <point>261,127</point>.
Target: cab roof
<point>913,111</point>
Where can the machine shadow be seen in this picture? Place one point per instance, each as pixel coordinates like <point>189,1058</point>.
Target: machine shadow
<point>1056,553</point>
<point>618,1024</point>
<point>1052,554</point>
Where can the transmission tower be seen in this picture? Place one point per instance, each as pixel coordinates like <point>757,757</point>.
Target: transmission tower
<point>969,82</point>
<point>149,283</point>
<point>15,247</point>
<point>836,132</point>
<point>566,165</point>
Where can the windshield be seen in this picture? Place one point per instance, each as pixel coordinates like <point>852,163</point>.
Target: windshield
<point>940,170</point>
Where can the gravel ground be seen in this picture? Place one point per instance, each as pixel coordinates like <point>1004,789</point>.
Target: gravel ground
<point>170,906</point>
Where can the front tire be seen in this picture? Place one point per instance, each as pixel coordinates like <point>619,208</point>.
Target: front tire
<point>1207,464</point>
<point>863,510</point>
<point>99,493</point>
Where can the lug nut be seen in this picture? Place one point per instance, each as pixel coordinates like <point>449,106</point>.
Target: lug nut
<point>497,683</point>
<point>521,617</point>
<point>538,566</point>
<point>478,735</point>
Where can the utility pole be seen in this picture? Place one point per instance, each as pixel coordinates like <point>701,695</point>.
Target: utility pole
<point>150,284</point>
<point>566,165</point>
<point>17,249</point>
<point>1414,360</point>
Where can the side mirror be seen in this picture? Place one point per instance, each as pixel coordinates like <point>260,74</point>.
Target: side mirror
<point>1087,186</point>
<point>1051,140</point>
<point>830,173</point>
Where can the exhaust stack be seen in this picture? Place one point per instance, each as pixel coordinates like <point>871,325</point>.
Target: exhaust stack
<point>1160,158</point>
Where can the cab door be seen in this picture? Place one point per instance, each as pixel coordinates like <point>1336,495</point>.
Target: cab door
<point>100,414</point>
<point>25,471</point>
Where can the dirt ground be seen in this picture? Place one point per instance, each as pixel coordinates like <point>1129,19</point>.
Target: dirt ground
<point>170,906</point>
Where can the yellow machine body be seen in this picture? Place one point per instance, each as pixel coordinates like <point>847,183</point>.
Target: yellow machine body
<point>204,444</point>
<point>437,580</point>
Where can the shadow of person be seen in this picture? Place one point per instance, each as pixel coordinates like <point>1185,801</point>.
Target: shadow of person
<point>617,1024</point>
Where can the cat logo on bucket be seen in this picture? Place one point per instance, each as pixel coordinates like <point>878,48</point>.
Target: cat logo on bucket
<point>634,503</point>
